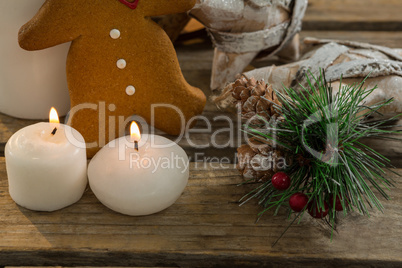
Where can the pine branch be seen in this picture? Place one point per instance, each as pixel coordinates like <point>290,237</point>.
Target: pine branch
<point>344,167</point>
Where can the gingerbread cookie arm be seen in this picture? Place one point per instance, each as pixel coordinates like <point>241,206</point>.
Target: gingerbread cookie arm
<point>158,8</point>
<point>51,26</point>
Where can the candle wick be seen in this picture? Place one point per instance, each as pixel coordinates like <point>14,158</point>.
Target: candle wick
<point>54,131</point>
<point>136,146</point>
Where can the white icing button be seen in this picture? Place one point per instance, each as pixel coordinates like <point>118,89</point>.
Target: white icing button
<point>130,90</point>
<point>114,33</point>
<point>121,64</point>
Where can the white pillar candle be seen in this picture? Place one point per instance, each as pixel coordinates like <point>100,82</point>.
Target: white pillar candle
<point>30,82</point>
<point>142,182</point>
<point>47,169</point>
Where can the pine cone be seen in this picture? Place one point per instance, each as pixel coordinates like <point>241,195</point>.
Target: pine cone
<point>259,161</point>
<point>254,98</point>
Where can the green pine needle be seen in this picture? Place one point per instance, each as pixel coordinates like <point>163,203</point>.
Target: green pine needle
<point>353,171</point>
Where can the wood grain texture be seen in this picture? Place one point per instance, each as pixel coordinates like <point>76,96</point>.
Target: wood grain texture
<point>353,15</point>
<point>206,226</point>
<point>382,38</point>
<point>346,15</point>
<point>9,125</point>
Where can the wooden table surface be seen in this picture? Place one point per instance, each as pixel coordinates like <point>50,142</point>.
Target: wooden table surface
<point>206,227</point>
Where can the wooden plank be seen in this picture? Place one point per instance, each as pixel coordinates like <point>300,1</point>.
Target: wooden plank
<point>353,15</point>
<point>205,227</point>
<point>9,125</point>
<point>382,38</point>
<point>345,15</point>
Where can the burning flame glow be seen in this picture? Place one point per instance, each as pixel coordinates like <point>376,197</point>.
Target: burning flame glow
<point>135,132</point>
<point>53,116</point>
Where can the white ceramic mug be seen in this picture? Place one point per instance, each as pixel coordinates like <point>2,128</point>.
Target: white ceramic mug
<point>30,82</point>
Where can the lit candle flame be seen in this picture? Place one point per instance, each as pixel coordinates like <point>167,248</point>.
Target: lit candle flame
<point>135,132</point>
<point>53,116</point>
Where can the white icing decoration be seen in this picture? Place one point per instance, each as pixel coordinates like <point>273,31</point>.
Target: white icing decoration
<point>114,33</point>
<point>130,90</point>
<point>121,64</point>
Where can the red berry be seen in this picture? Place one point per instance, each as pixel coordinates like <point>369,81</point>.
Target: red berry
<point>317,212</point>
<point>338,202</point>
<point>281,181</point>
<point>298,202</point>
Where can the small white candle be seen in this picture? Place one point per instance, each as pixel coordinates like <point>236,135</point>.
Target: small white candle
<point>142,182</point>
<point>46,166</point>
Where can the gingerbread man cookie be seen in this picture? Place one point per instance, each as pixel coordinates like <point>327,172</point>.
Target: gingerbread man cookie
<point>120,63</point>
